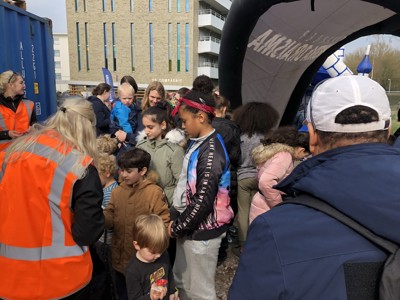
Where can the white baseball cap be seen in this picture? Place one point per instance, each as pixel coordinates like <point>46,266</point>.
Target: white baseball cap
<point>336,94</point>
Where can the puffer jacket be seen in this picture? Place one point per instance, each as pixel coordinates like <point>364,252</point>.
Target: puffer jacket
<point>126,204</point>
<point>274,162</point>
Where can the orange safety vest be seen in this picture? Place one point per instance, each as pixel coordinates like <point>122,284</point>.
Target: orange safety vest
<point>39,258</point>
<point>19,120</point>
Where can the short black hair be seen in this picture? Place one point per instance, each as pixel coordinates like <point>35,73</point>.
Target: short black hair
<point>134,158</point>
<point>201,98</point>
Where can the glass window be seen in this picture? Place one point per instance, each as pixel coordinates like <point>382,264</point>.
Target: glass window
<point>150,5</point>
<point>57,53</point>
<point>178,47</point>
<point>87,46</point>
<point>114,39</point>
<point>133,46</point>
<point>105,46</point>
<point>169,47</point>
<point>57,64</point>
<point>76,5</point>
<point>169,5</point>
<point>187,7</point>
<point>187,47</point>
<point>112,5</point>
<point>56,41</point>
<point>178,6</point>
<point>84,6</point>
<point>104,5</point>
<point>132,5</point>
<point>78,44</point>
<point>151,47</point>
<point>58,76</point>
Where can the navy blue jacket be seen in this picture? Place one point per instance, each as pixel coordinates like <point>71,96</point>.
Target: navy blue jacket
<point>295,252</point>
<point>102,113</point>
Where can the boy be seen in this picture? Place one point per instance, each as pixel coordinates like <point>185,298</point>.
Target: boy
<point>137,194</point>
<point>124,116</point>
<point>150,264</point>
<point>201,201</point>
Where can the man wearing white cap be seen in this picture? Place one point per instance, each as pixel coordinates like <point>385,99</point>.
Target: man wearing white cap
<point>297,252</point>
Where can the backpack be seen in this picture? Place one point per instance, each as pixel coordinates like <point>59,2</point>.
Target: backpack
<point>387,274</point>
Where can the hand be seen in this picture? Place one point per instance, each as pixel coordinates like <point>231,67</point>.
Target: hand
<point>120,135</point>
<point>14,134</point>
<point>157,292</point>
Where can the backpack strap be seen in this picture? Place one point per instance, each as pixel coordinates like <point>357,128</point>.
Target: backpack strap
<point>318,204</point>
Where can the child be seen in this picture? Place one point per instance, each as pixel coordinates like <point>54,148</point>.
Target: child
<point>166,157</point>
<point>107,144</point>
<point>201,202</point>
<point>255,119</point>
<point>136,195</point>
<point>150,263</point>
<point>274,160</point>
<point>124,115</point>
<point>103,275</point>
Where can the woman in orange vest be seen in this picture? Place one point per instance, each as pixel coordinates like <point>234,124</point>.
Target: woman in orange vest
<point>50,207</point>
<point>16,113</point>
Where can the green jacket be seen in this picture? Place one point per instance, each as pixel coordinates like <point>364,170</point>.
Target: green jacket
<point>166,160</point>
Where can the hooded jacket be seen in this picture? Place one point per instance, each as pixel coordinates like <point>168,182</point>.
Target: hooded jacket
<point>295,252</point>
<point>273,162</point>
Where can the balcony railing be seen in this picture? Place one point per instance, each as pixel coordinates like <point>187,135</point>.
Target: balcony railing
<point>211,12</point>
<point>209,39</point>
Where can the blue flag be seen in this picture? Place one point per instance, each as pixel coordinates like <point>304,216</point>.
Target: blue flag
<point>108,79</point>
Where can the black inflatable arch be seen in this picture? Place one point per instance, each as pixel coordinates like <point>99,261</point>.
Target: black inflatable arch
<point>271,49</point>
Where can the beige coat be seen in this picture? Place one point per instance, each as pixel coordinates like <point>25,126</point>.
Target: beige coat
<point>125,205</point>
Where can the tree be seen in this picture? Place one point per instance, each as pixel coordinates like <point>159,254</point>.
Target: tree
<point>385,62</point>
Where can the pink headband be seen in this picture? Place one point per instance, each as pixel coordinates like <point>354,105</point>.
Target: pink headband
<point>191,103</point>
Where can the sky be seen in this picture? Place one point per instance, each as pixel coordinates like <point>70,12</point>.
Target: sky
<point>55,10</point>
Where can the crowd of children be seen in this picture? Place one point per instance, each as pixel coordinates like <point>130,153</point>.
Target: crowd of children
<point>185,171</point>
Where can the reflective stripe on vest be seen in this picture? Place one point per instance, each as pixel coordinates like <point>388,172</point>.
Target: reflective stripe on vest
<point>57,249</point>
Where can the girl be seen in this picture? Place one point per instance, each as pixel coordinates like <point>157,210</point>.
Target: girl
<point>255,119</point>
<point>154,93</point>
<point>274,160</point>
<point>101,107</point>
<point>166,157</point>
<point>201,203</point>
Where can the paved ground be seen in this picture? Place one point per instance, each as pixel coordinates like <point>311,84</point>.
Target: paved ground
<point>224,276</point>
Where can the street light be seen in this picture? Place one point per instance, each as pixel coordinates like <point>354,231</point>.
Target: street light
<point>390,83</point>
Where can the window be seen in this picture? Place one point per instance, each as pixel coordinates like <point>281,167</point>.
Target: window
<point>169,5</point>
<point>112,5</point>
<point>133,46</point>
<point>76,5</point>
<point>87,46</point>
<point>187,7</point>
<point>56,40</point>
<point>105,46</point>
<point>114,38</point>
<point>84,6</point>
<point>56,53</point>
<point>78,45</point>
<point>169,47</point>
<point>57,64</point>
<point>58,76</point>
<point>178,6</point>
<point>178,47</point>
<point>104,5</point>
<point>151,47</point>
<point>187,47</point>
<point>150,5</point>
<point>132,5</point>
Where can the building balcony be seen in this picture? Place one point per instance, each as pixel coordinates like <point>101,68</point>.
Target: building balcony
<point>208,44</point>
<point>221,5</point>
<point>211,20</point>
<point>209,69</point>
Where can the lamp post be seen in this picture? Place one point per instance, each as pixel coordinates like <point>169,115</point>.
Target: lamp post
<point>390,83</point>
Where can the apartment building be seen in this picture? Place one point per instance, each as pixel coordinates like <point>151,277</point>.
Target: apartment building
<point>171,41</point>
<point>61,61</point>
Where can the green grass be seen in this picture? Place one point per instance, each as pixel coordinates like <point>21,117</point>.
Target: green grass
<point>394,99</point>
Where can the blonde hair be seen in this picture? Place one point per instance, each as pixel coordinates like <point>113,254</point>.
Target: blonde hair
<point>153,86</point>
<point>73,125</point>
<point>107,164</point>
<point>127,88</point>
<point>106,144</point>
<point>149,231</point>
<point>7,77</point>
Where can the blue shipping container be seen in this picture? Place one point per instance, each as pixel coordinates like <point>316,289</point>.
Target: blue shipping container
<point>27,48</point>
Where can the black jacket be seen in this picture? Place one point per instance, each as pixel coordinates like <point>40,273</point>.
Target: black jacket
<point>102,115</point>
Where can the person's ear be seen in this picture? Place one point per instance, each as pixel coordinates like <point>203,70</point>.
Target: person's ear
<point>136,245</point>
<point>143,171</point>
<point>202,117</point>
<point>163,125</point>
<point>299,152</point>
<point>313,138</point>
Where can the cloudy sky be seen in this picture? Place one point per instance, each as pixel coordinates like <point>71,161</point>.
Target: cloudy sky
<point>52,9</point>
<point>55,10</point>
